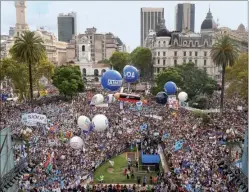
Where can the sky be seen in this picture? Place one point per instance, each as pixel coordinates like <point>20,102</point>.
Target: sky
<point>122,18</point>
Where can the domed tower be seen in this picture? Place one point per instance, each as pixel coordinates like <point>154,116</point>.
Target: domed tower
<point>21,24</point>
<point>241,28</point>
<point>208,25</point>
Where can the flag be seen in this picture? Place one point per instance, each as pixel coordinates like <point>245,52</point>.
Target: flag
<point>49,168</point>
<point>178,145</point>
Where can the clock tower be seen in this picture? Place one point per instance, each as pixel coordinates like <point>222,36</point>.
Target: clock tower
<point>21,24</point>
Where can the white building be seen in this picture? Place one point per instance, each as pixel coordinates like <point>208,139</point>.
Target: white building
<point>175,48</point>
<point>90,71</point>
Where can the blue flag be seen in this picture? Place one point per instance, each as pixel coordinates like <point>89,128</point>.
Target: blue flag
<point>178,145</point>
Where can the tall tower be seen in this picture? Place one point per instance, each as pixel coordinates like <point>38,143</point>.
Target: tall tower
<point>21,24</point>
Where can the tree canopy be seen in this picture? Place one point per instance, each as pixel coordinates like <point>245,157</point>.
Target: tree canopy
<point>188,78</point>
<point>142,58</point>
<point>68,80</point>
<point>224,53</point>
<point>237,77</point>
<point>119,59</point>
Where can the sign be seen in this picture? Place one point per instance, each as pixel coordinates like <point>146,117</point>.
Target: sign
<point>31,119</point>
<point>115,82</point>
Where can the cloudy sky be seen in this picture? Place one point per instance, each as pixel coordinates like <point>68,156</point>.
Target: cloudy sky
<point>119,17</point>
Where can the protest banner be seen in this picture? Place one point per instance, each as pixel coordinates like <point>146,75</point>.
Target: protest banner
<point>31,119</point>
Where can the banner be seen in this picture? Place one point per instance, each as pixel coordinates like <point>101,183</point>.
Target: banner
<point>31,119</point>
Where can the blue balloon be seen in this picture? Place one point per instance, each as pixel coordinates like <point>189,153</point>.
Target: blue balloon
<point>170,88</point>
<point>111,80</point>
<point>130,74</point>
<point>161,98</point>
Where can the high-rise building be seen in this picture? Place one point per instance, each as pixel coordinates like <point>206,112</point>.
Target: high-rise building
<point>67,26</point>
<point>11,31</point>
<point>185,17</point>
<point>149,18</point>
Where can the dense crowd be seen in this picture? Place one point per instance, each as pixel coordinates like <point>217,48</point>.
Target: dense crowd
<point>193,167</point>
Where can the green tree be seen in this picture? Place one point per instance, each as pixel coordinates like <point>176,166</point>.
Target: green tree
<point>142,58</point>
<point>237,77</point>
<point>28,49</point>
<point>119,59</point>
<point>224,53</point>
<point>18,74</point>
<point>68,80</point>
<point>188,78</point>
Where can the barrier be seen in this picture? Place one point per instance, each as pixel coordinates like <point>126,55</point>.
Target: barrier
<point>150,159</point>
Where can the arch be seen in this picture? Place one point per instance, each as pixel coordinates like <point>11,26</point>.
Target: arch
<point>84,71</point>
<point>96,79</point>
<point>83,48</point>
<point>96,72</point>
<point>103,71</point>
<point>164,43</point>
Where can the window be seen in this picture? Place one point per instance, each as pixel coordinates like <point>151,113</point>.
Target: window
<point>205,44</point>
<point>205,53</point>
<point>184,60</point>
<point>96,72</point>
<point>190,60</point>
<point>205,62</point>
<point>196,44</point>
<point>91,42</point>
<point>17,34</point>
<point>175,44</point>
<point>158,70</point>
<point>164,44</point>
<point>175,53</point>
<point>190,53</point>
<point>164,62</point>
<point>184,53</point>
<point>185,43</point>
<point>190,44</point>
<point>164,53</point>
<point>158,53</point>
<point>195,62</point>
<point>175,62</point>
<point>83,48</point>
<point>90,37</point>
<point>159,43</point>
<point>196,53</point>
<point>158,61</point>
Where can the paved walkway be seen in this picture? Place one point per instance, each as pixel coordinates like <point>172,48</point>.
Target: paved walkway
<point>163,160</point>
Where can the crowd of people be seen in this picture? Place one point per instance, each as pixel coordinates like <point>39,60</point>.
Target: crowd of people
<point>192,167</point>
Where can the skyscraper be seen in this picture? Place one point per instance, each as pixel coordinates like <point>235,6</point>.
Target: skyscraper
<point>67,26</point>
<point>149,18</point>
<point>185,17</point>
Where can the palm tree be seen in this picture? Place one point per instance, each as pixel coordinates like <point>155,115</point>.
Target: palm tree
<point>28,48</point>
<point>224,53</point>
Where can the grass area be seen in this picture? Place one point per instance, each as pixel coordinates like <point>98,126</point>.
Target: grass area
<point>116,175</point>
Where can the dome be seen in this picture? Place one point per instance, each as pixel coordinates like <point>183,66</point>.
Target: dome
<point>162,30</point>
<point>208,23</point>
<point>38,34</point>
<point>241,28</point>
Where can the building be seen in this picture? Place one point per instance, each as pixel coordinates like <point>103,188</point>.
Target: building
<point>185,17</point>
<point>12,31</point>
<point>175,48</point>
<point>91,72</point>
<point>67,26</point>
<point>149,18</point>
<point>102,45</point>
<point>21,24</point>
<point>56,50</point>
<point>121,45</point>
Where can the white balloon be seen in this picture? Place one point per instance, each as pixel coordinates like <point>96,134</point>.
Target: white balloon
<point>84,123</point>
<point>100,122</point>
<point>182,96</point>
<point>76,142</point>
<point>97,99</point>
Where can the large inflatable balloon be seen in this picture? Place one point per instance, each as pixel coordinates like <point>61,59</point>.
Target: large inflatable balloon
<point>84,123</point>
<point>170,88</point>
<point>100,122</point>
<point>97,99</point>
<point>130,74</point>
<point>161,98</point>
<point>111,80</point>
<point>76,142</point>
<point>182,96</point>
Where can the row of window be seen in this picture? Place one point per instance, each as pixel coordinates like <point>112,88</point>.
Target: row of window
<point>184,61</point>
<point>185,43</point>
<point>184,53</point>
